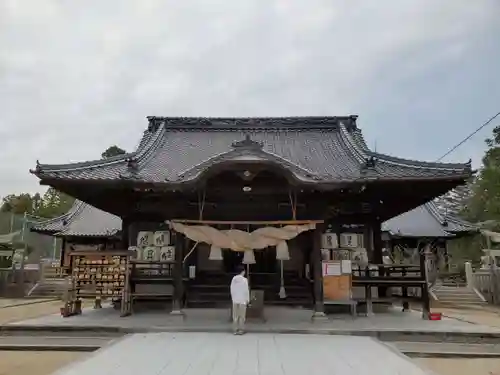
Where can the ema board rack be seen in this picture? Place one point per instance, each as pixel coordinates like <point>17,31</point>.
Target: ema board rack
<point>96,275</point>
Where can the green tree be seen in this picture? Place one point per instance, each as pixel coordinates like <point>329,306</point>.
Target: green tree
<point>17,203</point>
<point>112,151</point>
<point>54,203</point>
<point>484,205</point>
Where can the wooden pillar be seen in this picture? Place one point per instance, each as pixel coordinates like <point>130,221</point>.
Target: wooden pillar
<point>177,275</point>
<point>319,307</point>
<point>125,233</point>
<point>377,253</point>
<point>63,253</point>
<point>377,242</point>
<point>426,306</point>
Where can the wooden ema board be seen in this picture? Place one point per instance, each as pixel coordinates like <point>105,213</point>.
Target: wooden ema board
<point>337,285</point>
<point>96,275</point>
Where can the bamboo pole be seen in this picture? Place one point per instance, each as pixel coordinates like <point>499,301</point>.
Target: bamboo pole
<point>230,222</point>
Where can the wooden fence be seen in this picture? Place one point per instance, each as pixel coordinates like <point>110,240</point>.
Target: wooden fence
<point>487,282</point>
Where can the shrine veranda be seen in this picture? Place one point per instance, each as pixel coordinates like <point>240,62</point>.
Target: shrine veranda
<point>242,182</point>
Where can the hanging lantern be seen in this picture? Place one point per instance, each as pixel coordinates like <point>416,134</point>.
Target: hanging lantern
<point>282,252</point>
<point>249,257</point>
<point>215,253</point>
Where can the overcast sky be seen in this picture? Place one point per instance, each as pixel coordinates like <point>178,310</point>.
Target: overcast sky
<point>78,76</point>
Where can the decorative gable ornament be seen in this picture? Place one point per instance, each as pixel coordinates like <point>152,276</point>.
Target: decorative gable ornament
<point>161,238</point>
<point>329,241</point>
<point>145,238</point>
<point>349,240</point>
<point>247,144</point>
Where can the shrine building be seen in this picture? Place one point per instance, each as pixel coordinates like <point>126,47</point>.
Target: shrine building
<point>280,195</point>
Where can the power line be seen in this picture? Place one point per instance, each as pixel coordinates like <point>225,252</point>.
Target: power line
<point>469,137</point>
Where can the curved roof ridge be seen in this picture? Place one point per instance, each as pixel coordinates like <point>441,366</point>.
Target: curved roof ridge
<point>53,224</point>
<point>419,164</point>
<point>142,149</point>
<point>149,148</point>
<point>357,136</point>
<point>256,123</point>
<point>353,146</point>
<point>83,165</point>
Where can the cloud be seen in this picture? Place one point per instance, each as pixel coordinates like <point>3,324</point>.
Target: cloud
<point>76,77</point>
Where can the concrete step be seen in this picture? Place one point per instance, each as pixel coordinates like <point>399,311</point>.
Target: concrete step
<point>446,350</point>
<point>53,343</point>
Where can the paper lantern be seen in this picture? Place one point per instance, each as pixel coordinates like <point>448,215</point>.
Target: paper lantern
<point>145,238</point>
<point>161,238</point>
<point>167,253</point>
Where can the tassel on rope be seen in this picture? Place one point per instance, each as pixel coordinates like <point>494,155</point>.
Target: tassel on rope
<point>248,257</point>
<point>282,252</point>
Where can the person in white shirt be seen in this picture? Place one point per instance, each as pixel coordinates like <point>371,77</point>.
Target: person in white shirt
<point>240,297</point>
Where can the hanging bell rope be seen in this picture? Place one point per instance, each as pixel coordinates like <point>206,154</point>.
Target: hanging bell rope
<point>248,255</point>
<point>201,207</point>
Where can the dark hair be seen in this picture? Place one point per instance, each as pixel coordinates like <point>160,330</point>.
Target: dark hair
<point>240,269</point>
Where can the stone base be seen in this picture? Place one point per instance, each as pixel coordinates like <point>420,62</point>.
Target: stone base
<point>178,313</point>
<point>319,316</point>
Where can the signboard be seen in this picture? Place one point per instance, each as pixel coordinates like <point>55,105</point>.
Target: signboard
<point>337,283</point>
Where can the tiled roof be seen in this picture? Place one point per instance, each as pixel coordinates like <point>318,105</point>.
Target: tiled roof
<point>320,149</point>
<point>427,221</point>
<point>82,220</point>
<point>57,224</point>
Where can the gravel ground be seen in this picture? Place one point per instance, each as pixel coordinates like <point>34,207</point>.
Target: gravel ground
<point>457,366</point>
<point>39,363</point>
<point>23,311</point>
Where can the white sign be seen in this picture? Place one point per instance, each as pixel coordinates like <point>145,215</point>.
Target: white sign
<point>167,253</point>
<point>144,239</point>
<point>331,269</point>
<point>346,267</point>
<point>329,241</point>
<point>161,238</point>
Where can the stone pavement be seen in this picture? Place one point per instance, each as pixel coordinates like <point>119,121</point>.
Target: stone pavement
<point>251,354</point>
<point>278,320</point>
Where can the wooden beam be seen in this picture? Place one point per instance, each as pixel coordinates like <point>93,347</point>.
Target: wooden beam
<point>249,222</point>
